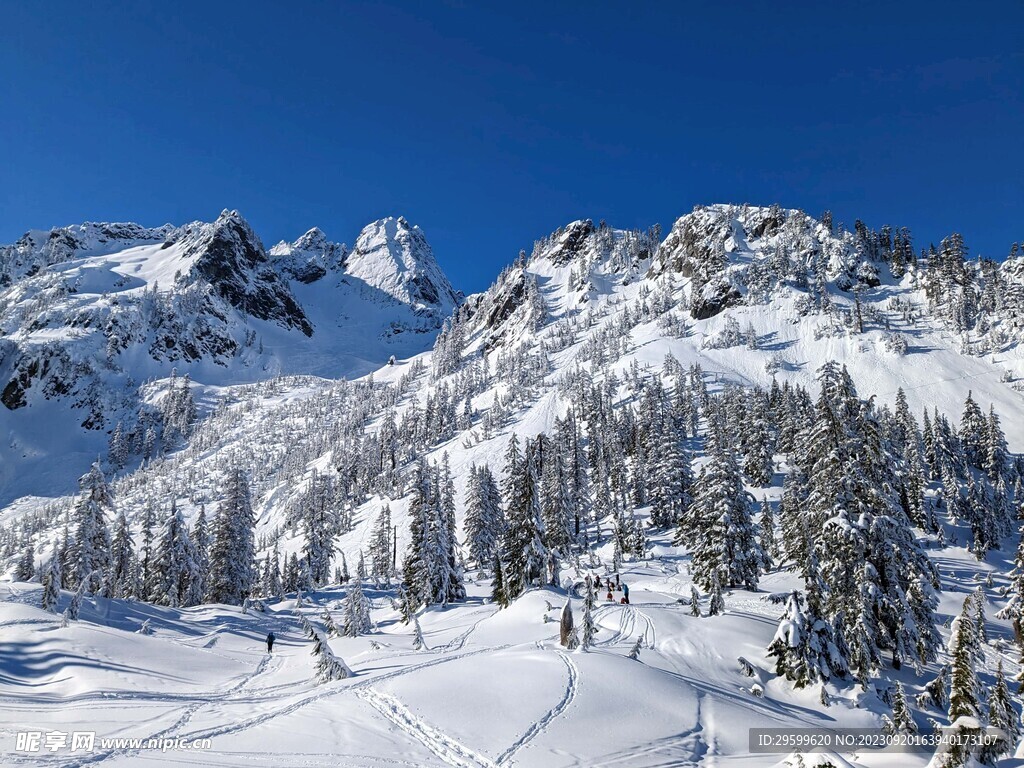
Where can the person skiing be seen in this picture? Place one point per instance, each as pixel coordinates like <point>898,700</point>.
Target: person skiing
<point>625,593</point>
<point>270,642</point>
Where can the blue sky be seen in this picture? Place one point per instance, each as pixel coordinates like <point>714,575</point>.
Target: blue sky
<point>492,124</point>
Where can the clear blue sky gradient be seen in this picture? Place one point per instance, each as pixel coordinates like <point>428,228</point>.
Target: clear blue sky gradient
<point>491,124</point>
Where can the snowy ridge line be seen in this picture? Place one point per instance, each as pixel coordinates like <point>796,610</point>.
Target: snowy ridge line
<point>571,689</point>
<point>450,751</point>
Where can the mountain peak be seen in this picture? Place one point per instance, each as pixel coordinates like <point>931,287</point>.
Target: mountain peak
<point>229,255</point>
<point>309,258</point>
<point>393,256</point>
<point>313,238</point>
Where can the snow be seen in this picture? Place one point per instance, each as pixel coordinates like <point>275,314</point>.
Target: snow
<point>491,687</point>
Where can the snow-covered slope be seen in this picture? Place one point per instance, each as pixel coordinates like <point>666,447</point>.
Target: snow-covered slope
<point>393,257</point>
<point>91,312</point>
<point>753,296</point>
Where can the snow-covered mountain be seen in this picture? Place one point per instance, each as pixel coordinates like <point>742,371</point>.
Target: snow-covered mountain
<point>593,341</point>
<point>89,313</point>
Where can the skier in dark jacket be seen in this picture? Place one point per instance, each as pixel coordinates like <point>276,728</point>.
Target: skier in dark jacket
<point>270,642</point>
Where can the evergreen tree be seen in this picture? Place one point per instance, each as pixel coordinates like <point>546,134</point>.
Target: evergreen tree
<point>694,601</point>
<point>320,525</point>
<point>51,583</point>
<point>121,554</point>
<point>523,553</point>
<point>902,720</point>
<point>484,521</point>
<point>589,628</point>
<point>963,687</point>
<point>232,551</point>
<point>995,449</point>
<point>724,544</point>
<point>556,506</point>
<point>802,645</point>
<point>146,557</point>
<point>671,479</point>
<point>25,570</point>
<point>200,536</point>
<point>174,563</point>
<point>498,594</point>
<point>973,428</point>
<point>716,603</point>
<point>1001,712</point>
<point>380,548</point>
<point>91,549</point>
<point>1014,609</point>
<point>357,607</point>
<point>769,542</point>
<point>448,586</point>
<point>430,572</point>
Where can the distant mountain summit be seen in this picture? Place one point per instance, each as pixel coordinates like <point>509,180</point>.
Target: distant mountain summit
<point>90,312</point>
<point>394,257</point>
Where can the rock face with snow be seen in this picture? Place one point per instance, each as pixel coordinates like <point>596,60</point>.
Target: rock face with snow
<point>309,258</point>
<point>89,312</point>
<point>230,257</point>
<point>392,257</point>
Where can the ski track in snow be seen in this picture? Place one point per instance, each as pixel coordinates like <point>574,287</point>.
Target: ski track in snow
<point>571,689</point>
<point>186,716</point>
<point>450,751</point>
<point>321,694</point>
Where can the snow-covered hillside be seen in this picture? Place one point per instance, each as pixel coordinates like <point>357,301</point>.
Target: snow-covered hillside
<point>609,354</point>
<point>90,313</point>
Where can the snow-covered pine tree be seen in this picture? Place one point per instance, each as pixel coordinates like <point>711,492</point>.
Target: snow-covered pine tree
<point>769,541</point>
<point>972,433</point>
<point>1001,712</point>
<point>357,609</point>
<point>418,643</point>
<point>144,581</point>
<point>328,666</point>
<point>723,539</point>
<point>174,563</point>
<point>634,652</point>
<point>380,548</point>
<point>671,479</point>
<point>232,551</point>
<point>1014,608</point>
<point>995,450</point>
<point>484,522</point>
<point>320,524</point>
<point>25,570</point>
<point>716,602</point>
<point>902,721</point>
<point>91,549</point>
<point>523,552</point>
<point>963,651</point>
<point>694,601</point>
<point>589,628</point>
<point>119,577</point>
<point>555,503</point>
<point>51,582</point>
<point>200,536</point>
<point>330,628</point>
<point>758,444</point>
<point>448,585</point>
<point>498,594</point>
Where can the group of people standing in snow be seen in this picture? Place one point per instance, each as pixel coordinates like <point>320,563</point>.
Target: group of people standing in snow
<point>597,584</point>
